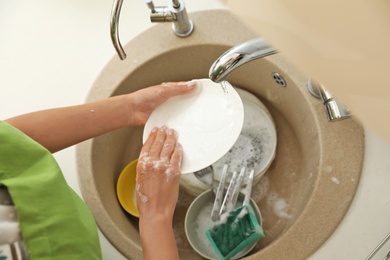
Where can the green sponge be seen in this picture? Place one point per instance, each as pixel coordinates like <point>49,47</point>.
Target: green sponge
<point>237,230</point>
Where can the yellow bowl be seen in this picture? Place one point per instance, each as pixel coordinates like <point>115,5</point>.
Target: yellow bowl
<point>125,188</point>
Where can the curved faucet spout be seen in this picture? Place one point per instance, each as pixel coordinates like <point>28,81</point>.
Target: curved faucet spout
<point>240,54</point>
<point>114,28</point>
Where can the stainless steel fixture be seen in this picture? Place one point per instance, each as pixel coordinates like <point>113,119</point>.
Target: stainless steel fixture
<point>378,247</point>
<point>279,79</point>
<point>174,12</point>
<point>239,55</point>
<point>257,48</point>
<point>334,110</point>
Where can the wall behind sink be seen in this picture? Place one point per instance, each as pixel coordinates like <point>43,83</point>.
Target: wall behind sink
<point>342,44</point>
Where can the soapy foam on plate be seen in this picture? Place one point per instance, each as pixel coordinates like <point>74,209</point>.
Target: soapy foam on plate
<point>255,147</point>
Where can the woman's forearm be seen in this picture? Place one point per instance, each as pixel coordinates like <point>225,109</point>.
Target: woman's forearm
<point>60,128</point>
<point>158,240</point>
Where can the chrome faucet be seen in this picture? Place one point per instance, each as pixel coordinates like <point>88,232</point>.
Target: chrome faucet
<point>257,48</point>
<point>239,55</point>
<point>174,12</point>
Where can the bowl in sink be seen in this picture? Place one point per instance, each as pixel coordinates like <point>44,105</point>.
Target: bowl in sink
<point>125,188</point>
<point>198,221</point>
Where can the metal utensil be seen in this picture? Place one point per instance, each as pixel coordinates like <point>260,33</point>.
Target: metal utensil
<point>229,193</point>
<point>248,188</point>
<point>231,203</point>
<point>206,175</point>
<point>218,195</point>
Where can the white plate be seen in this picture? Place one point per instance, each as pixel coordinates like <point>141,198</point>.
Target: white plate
<point>208,122</point>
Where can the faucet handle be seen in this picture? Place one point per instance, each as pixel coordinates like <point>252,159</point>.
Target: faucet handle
<point>150,5</point>
<point>159,14</point>
<point>174,12</point>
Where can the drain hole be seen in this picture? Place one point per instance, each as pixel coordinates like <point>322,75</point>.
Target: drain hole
<point>279,79</point>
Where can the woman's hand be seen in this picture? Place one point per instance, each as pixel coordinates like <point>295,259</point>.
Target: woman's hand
<point>157,185</point>
<point>144,101</point>
<point>158,174</point>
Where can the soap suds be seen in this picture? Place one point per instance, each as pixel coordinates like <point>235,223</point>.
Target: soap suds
<point>160,163</point>
<point>279,206</point>
<point>144,155</point>
<point>201,224</point>
<point>170,174</point>
<point>335,180</point>
<point>242,214</point>
<point>155,167</point>
<point>145,160</point>
<point>255,145</point>
<point>141,196</point>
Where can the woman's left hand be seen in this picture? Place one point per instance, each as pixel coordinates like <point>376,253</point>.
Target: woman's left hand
<point>144,101</point>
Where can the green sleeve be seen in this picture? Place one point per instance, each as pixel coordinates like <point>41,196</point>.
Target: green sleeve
<point>54,222</point>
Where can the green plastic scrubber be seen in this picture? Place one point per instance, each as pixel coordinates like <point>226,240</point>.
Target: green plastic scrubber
<point>237,230</point>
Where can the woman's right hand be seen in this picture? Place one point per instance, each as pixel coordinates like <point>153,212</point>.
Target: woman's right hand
<point>157,185</point>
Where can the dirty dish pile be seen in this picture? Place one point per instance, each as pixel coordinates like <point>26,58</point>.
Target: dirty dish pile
<point>254,148</point>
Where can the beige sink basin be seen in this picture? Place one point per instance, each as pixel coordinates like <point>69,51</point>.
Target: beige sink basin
<point>306,191</point>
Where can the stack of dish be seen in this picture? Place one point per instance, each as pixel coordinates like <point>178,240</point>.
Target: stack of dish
<point>254,148</point>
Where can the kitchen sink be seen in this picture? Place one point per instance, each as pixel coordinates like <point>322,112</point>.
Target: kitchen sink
<point>310,184</point>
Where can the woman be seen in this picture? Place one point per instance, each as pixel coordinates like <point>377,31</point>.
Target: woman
<point>65,229</point>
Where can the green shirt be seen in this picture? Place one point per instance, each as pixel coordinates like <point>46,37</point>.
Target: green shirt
<point>54,222</point>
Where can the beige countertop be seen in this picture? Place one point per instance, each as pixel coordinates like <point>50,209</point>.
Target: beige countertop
<point>52,51</point>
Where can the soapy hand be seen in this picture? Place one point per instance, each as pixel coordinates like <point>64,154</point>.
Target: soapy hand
<point>158,174</point>
<point>157,185</point>
<point>144,101</point>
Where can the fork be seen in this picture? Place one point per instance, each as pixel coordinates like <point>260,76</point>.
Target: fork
<point>231,203</point>
<point>218,195</point>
